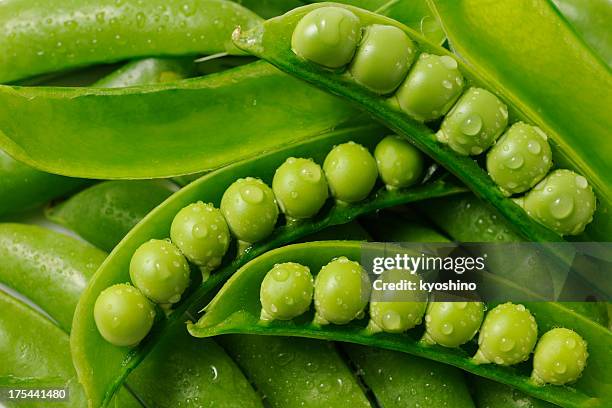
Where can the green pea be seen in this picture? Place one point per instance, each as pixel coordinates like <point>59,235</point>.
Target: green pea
<point>559,357</point>
<point>383,58</point>
<point>351,172</point>
<point>474,123</point>
<point>341,292</point>
<point>519,159</point>
<point>431,88</point>
<point>201,233</point>
<point>250,210</point>
<point>392,310</point>
<point>452,324</point>
<point>123,315</point>
<point>286,291</point>
<point>400,164</point>
<point>563,201</point>
<point>300,188</point>
<point>160,271</point>
<point>507,336</point>
<point>327,36</point>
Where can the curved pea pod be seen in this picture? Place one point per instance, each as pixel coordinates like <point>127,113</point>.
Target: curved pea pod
<point>248,105</point>
<point>495,395</point>
<point>37,39</point>
<point>149,71</point>
<point>271,41</point>
<point>101,366</point>
<point>105,213</point>
<point>236,309</point>
<point>499,41</point>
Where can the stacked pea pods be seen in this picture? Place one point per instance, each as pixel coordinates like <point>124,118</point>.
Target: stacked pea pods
<point>210,272</point>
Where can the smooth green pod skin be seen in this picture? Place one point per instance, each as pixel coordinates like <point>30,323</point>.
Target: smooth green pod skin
<point>149,71</point>
<point>507,336</point>
<point>300,188</point>
<point>341,292</point>
<point>495,395</point>
<point>395,311</point>
<point>304,372</point>
<point>250,209</point>
<point>160,271</point>
<point>342,164</point>
<point>44,266</point>
<point>563,201</point>
<point>383,58</point>
<point>452,324</point>
<point>37,40</point>
<point>519,159</point>
<point>201,233</point>
<point>327,36</point>
<point>400,380</point>
<point>431,88</point>
<point>560,357</point>
<point>286,291</point>
<point>399,163</point>
<point>474,123</point>
<point>104,213</point>
<point>123,315</point>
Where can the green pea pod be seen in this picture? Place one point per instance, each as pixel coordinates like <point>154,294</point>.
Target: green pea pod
<point>104,214</point>
<point>270,8</point>
<point>499,40</point>
<point>272,42</point>
<point>101,366</point>
<point>248,105</point>
<point>148,71</point>
<point>236,309</point>
<point>489,394</point>
<point>37,39</point>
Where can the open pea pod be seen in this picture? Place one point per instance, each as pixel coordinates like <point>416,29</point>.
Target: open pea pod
<point>535,60</point>
<point>102,366</point>
<point>237,309</point>
<point>272,41</point>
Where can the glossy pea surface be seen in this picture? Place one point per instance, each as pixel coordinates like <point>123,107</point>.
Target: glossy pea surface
<point>452,324</point>
<point>123,315</point>
<point>560,357</point>
<point>249,208</point>
<point>286,291</point>
<point>507,335</point>
<point>519,159</point>
<point>300,187</point>
<point>474,123</point>
<point>383,58</point>
<point>395,311</point>
<point>432,86</point>
<point>563,201</point>
<point>160,271</point>
<point>342,290</point>
<point>399,163</point>
<point>327,36</point>
<point>351,172</point>
<point>201,233</point>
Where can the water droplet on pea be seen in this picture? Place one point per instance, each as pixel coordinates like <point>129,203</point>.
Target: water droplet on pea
<point>581,182</point>
<point>448,62</point>
<point>252,194</point>
<point>534,147</point>
<point>506,344</point>
<point>562,207</point>
<point>281,274</point>
<point>515,162</point>
<point>199,231</point>
<point>472,125</point>
<point>447,328</point>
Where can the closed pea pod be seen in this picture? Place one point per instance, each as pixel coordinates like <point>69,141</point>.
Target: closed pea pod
<point>383,58</point>
<point>201,233</point>
<point>560,357</point>
<point>507,335</point>
<point>286,291</point>
<point>327,36</point>
<point>474,123</point>
<point>342,164</point>
<point>400,164</point>
<point>452,324</point>
<point>520,159</point>
<point>342,291</point>
<point>160,271</point>
<point>123,315</point>
<point>563,201</point>
<point>300,188</point>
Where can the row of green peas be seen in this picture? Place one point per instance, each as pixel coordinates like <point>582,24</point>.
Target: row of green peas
<point>382,59</point>
<point>200,233</point>
<point>342,290</point>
